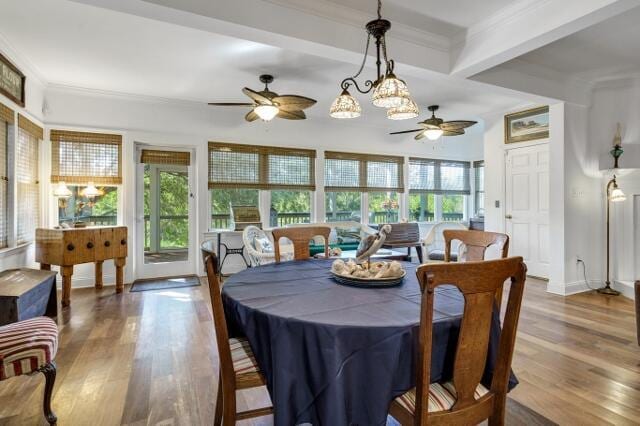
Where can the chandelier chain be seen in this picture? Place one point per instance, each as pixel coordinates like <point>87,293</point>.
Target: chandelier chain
<point>379,9</point>
<point>364,60</point>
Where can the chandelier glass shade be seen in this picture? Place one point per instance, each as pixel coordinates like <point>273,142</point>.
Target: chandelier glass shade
<point>345,106</point>
<point>407,109</point>
<point>388,90</point>
<point>617,195</point>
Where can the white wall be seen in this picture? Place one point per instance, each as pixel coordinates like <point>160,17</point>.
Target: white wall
<point>159,122</point>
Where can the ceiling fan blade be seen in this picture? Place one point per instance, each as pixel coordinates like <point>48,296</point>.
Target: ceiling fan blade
<point>406,131</point>
<point>261,99</point>
<point>251,116</point>
<point>243,104</point>
<point>453,132</point>
<point>420,135</point>
<point>292,115</point>
<point>458,124</point>
<point>293,102</point>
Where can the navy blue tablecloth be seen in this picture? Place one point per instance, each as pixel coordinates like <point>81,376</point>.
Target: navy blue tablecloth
<point>338,355</point>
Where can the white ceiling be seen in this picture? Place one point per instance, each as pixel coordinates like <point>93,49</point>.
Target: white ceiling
<point>442,17</point>
<point>604,50</point>
<point>83,46</point>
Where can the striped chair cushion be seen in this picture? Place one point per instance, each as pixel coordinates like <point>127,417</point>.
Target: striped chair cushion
<point>441,397</point>
<point>26,346</point>
<point>243,360</point>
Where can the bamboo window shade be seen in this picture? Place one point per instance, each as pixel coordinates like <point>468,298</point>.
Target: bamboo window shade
<point>6,114</point>
<point>27,186</point>
<point>439,176</point>
<point>478,167</point>
<point>363,172</point>
<point>81,157</point>
<point>30,127</point>
<point>176,158</point>
<point>261,167</point>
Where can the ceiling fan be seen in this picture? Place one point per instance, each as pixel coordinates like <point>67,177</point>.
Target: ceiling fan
<point>267,105</point>
<point>433,128</point>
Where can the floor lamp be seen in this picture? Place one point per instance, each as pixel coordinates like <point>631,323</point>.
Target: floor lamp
<point>613,195</point>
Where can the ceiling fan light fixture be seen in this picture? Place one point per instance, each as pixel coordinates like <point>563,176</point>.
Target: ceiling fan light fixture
<point>345,106</point>
<point>433,134</point>
<point>408,109</point>
<point>267,112</point>
<point>390,93</point>
<point>617,195</point>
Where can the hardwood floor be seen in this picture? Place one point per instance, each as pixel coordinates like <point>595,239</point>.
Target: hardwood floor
<point>149,358</point>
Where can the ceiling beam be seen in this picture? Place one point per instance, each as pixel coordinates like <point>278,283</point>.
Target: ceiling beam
<point>337,33</point>
<point>526,26</point>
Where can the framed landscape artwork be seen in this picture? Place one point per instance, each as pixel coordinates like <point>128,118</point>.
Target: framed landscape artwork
<point>527,125</point>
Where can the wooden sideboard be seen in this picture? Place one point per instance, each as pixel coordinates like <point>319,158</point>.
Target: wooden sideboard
<point>69,247</point>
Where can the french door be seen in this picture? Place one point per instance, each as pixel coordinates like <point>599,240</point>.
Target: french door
<point>165,214</point>
<point>527,206</point>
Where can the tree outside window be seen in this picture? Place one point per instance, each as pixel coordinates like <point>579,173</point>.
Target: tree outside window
<point>383,207</point>
<point>289,207</point>
<point>342,206</point>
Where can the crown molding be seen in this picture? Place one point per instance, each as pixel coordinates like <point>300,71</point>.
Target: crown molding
<point>346,15</point>
<point>21,61</point>
<point>500,18</point>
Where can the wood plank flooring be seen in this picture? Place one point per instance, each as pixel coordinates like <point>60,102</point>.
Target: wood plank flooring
<point>149,358</point>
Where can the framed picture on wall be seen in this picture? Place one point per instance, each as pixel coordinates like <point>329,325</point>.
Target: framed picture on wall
<point>527,125</point>
<point>11,81</point>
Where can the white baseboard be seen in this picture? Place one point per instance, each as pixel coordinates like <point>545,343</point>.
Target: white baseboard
<point>567,289</point>
<point>627,288</point>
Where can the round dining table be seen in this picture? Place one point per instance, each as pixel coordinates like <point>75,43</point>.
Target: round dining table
<point>334,354</point>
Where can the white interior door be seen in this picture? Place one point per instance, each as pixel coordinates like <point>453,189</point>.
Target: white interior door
<point>165,219</point>
<point>527,206</point>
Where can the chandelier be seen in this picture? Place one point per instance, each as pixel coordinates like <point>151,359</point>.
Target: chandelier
<point>388,90</point>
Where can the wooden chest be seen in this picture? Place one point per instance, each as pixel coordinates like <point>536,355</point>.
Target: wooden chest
<point>69,247</point>
<point>27,293</point>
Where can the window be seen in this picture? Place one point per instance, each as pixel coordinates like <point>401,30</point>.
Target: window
<point>438,189</point>
<point>422,207</point>
<point>348,175</point>
<point>383,207</point>
<point>342,206</point>
<point>237,173</point>
<point>27,180</point>
<point>101,210</point>
<point>221,199</point>
<point>82,157</point>
<point>478,167</point>
<point>289,207</point>
<point>6,118</point>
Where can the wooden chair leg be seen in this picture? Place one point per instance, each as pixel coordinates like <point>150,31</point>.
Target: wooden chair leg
<point>229,407</point>
<point>49,371</point>
<point>499,411</point>
<point>217,420</point>
<point>419,253</point>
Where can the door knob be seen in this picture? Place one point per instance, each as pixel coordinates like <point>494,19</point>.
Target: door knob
<point>508,216</point>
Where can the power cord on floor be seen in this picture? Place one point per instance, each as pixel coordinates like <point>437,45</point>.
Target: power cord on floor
<point>584,274</point>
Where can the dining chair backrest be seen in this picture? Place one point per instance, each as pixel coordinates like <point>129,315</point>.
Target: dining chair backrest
<point>300,236</point>
<point>475,242</point>
<point>219,322</point>
<point>478,282</point>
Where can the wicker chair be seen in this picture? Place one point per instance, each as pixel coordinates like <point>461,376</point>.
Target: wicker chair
<point>257,257</point>
<point>434,241</point>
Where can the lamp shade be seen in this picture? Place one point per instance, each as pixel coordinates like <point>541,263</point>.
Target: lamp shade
<point>266,112</point>
<point>617,195</point>
<point>345,106</point>
<point>390,92</point>
<point>91,191</point>
<point>407,109</point>
<point>62,191</point>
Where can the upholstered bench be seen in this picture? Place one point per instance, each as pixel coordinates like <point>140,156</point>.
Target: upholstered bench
<point>29,347</point>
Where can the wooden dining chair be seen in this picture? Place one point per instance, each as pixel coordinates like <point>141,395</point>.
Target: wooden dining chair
<point>464,400</point>
<point>476,244</point>
<point>300,236</point>
<point>238,367</point>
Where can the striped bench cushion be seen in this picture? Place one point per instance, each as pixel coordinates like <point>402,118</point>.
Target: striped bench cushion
<point>243,360</point>
<point>26,346</point>
<point>441,397</point>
